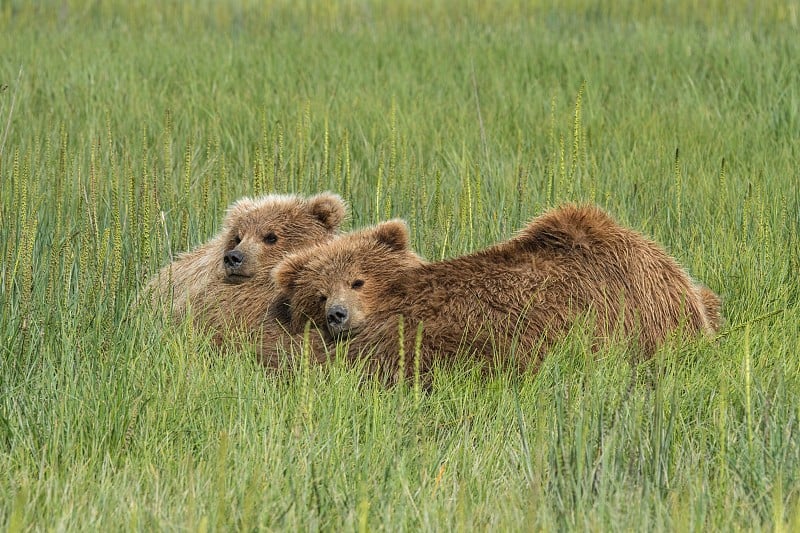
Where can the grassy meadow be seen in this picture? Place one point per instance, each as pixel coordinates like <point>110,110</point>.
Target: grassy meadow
<point>126,128</point>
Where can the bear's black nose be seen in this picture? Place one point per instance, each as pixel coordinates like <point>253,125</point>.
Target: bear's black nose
<point>337,318</point>
<point>233,259</point>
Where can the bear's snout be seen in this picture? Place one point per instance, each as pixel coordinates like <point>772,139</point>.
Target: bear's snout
<point>338,319</point>
<point>233,259</point>
<point>236,269</point>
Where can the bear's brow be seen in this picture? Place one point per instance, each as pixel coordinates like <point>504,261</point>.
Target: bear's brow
<point>259,227</point>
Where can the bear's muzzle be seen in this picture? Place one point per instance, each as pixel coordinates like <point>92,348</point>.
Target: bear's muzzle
<point>338,319</point>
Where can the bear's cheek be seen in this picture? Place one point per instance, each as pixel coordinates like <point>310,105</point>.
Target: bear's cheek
<point>308,307</point>
<point>251,259</point>
<point>300,236</point>
<point>265,258</point>
<point>354,301</point>
<point>357,317</point>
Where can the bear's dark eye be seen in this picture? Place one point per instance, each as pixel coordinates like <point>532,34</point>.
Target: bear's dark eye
<point>237,240</point>
<point>270,238</point>
<point>357,284</point>
<point>322,298</point>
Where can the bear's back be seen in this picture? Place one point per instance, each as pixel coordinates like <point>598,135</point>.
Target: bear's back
<point>628,279</point>
<point>569,261</point>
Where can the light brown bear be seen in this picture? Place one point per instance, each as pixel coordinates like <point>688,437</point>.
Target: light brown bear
<point>506,304</point>
<point>226,282</point>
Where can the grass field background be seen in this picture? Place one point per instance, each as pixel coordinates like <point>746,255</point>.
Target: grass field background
<point>126,128</point>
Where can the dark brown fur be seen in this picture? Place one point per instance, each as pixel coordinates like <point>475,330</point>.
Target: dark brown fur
<point>515,298</point>
<point>230,300</point>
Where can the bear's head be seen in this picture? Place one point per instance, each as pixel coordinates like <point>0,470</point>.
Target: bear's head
<point>338,285</point>
<point>258,232</point>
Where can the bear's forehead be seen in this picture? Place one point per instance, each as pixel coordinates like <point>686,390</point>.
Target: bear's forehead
<point>334,263</point>
<point>263,221</point>
<point>345,258</point>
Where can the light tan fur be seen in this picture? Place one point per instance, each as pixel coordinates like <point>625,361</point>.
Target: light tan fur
<point>227,297</point>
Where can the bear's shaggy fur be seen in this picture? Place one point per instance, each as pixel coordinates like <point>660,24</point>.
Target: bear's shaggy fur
<point>512,300</point>
<point>226,282</point>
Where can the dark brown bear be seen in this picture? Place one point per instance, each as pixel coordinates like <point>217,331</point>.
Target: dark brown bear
<point>506,304</point>
<point>226,282</point>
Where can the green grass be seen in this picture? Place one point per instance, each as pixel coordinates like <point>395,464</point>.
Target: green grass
<point>127,128</point>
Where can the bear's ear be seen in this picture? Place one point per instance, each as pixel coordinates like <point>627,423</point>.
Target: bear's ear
<point>392,234</point>
<point>329,209</point>
<point>285,273</point>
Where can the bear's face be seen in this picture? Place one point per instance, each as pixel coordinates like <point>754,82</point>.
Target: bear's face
<point>259,232</point>
<point>339,284</point>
